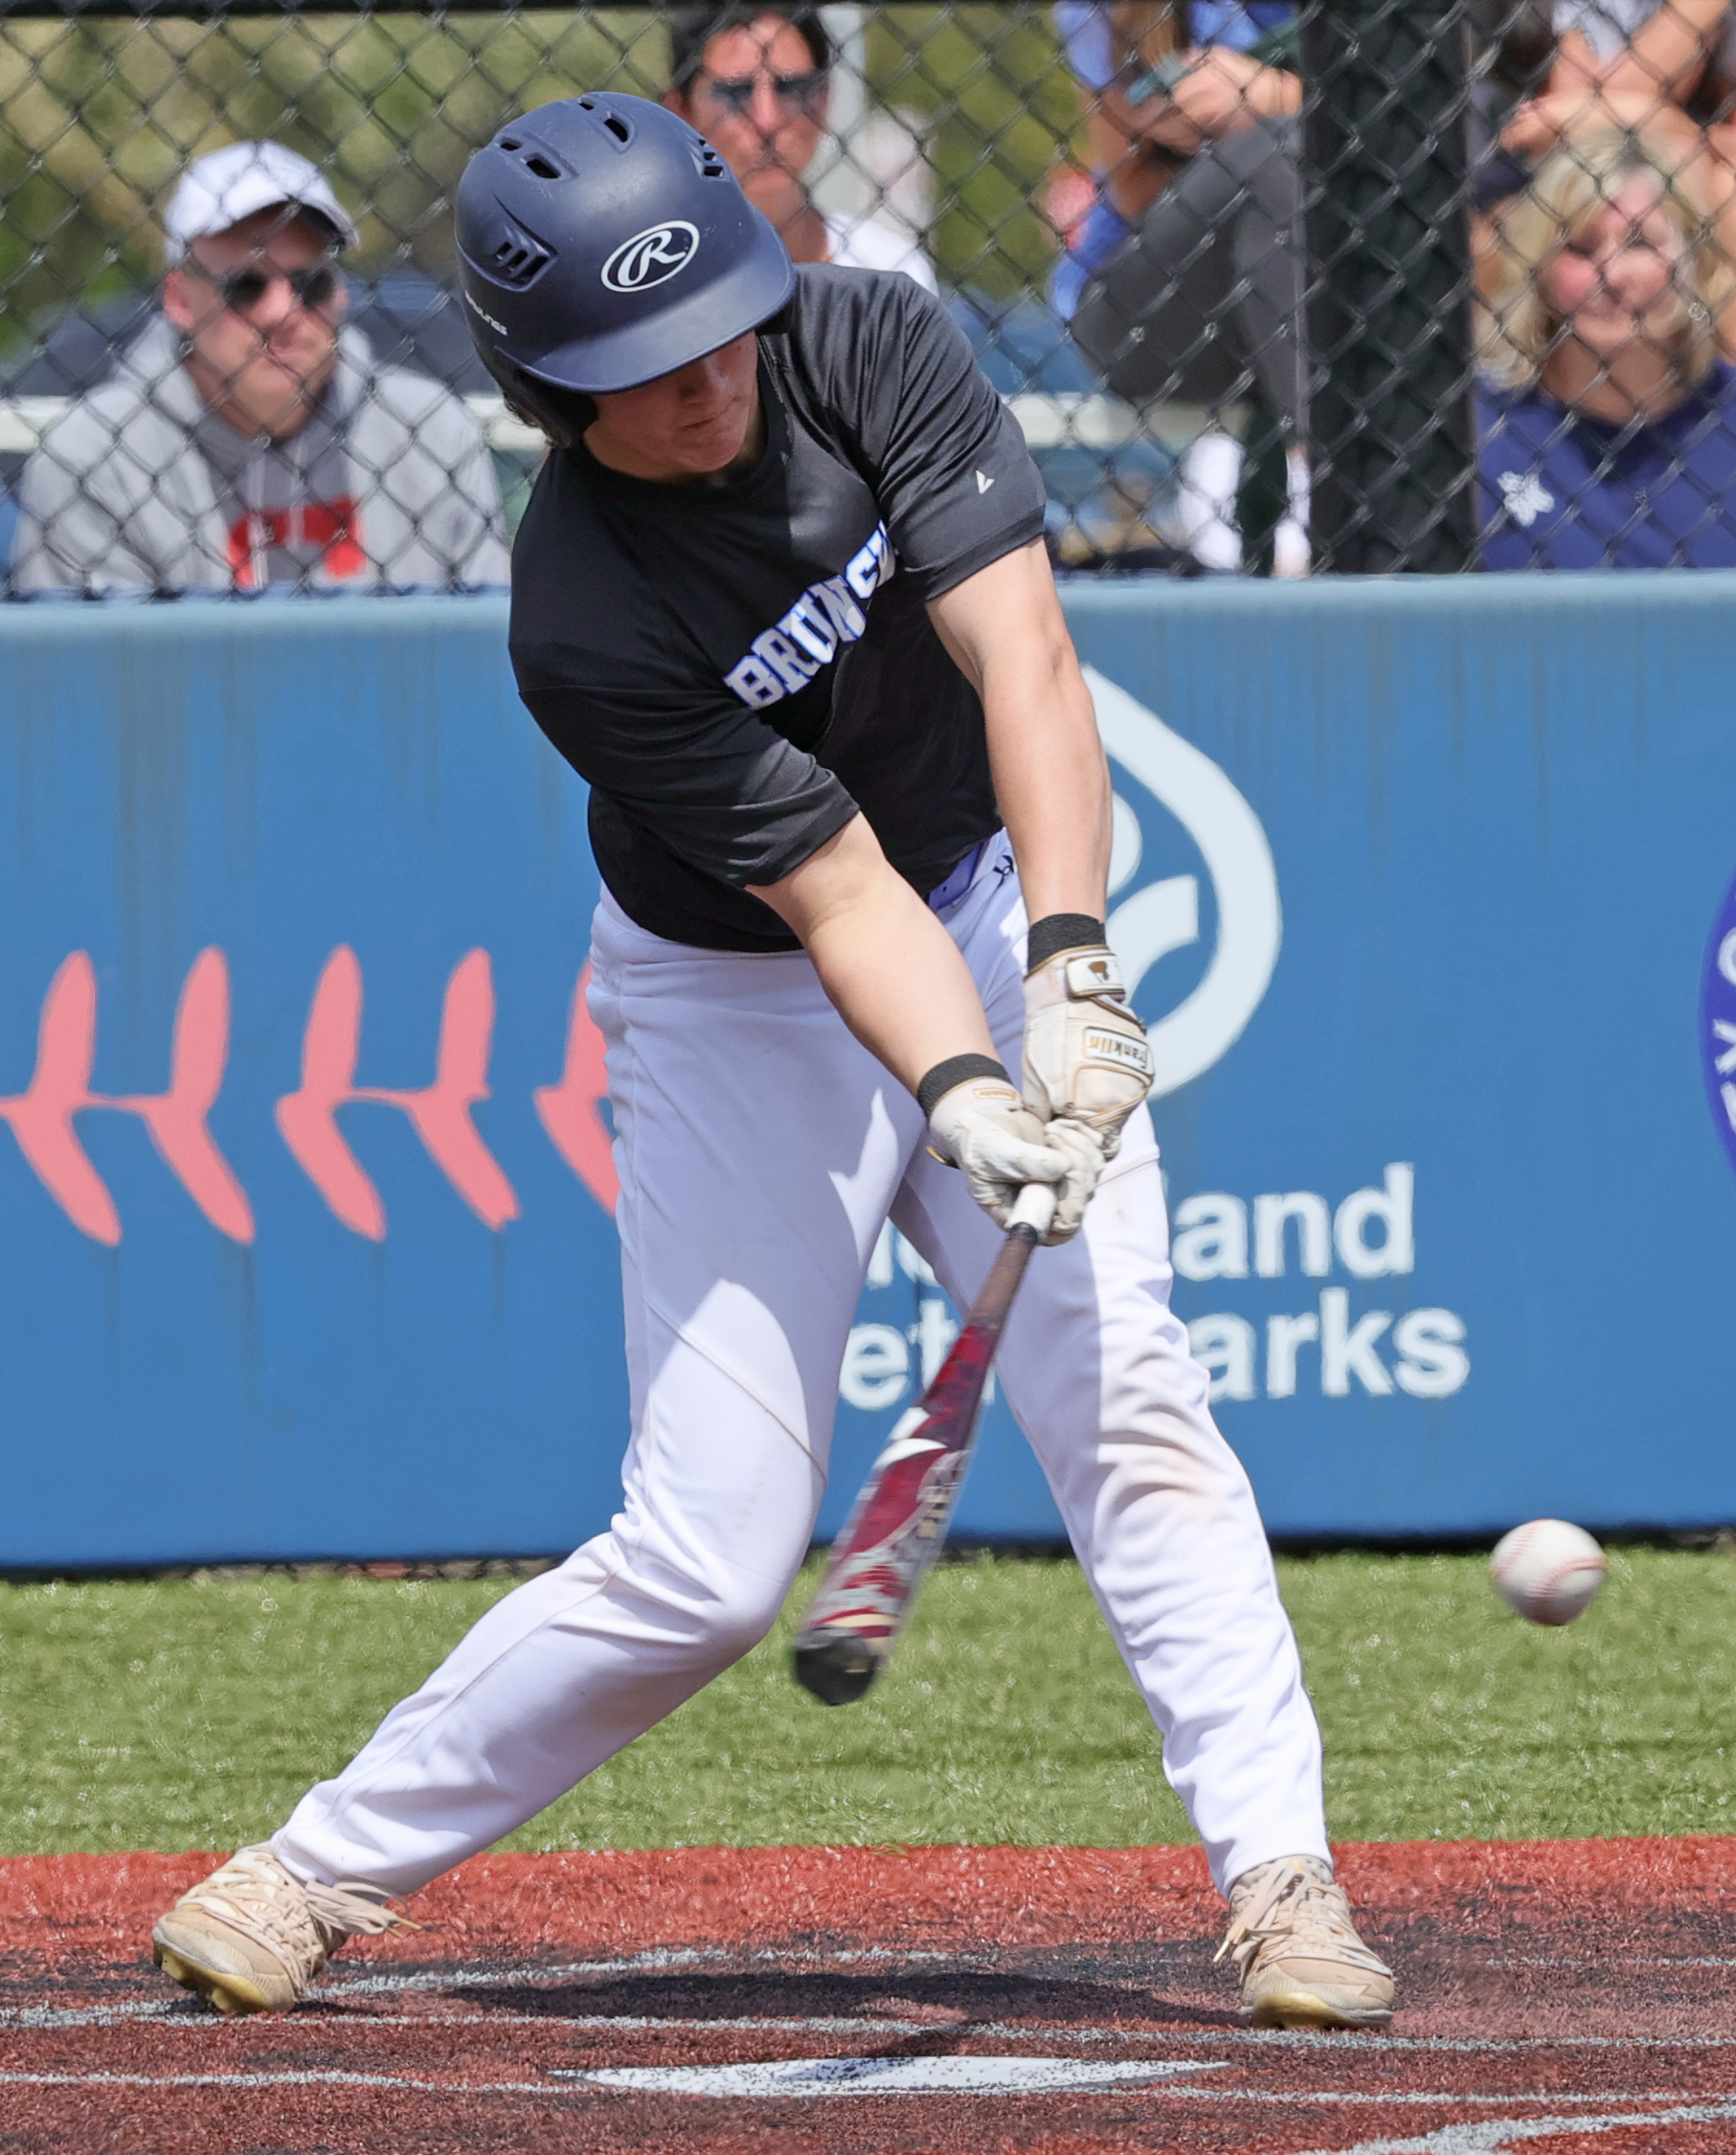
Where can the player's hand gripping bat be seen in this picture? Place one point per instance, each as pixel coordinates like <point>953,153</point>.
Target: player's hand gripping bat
<point>899,1520</point>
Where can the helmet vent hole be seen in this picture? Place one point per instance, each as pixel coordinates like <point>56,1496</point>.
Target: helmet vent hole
<point>510,142</point>
<point>615,124</point>
<point>542,168</point>
<point>518,259</point>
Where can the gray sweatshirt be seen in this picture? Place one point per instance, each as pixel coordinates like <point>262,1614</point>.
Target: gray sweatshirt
<point>118,497</point>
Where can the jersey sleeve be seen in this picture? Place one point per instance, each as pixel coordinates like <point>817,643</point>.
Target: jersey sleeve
<point>721,790</point>
<point>953,479</point>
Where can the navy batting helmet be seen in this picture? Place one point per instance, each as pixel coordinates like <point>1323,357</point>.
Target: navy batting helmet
<point>601,243</point>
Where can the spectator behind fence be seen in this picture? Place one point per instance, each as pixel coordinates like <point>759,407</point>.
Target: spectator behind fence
<point>247,439</point>
<point>1168,79</point>
<point>1610,439</point>
<point>756,79</point>
<point>1624,62</point>
<point>1666,66</point>
<point>1184,280</point>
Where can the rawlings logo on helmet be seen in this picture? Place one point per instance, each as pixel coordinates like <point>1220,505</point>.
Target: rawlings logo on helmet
<point>487,317</point>
<point>651,256</point>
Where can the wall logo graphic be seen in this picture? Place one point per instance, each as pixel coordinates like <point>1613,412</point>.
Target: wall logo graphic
<point>1150,921</point>
<point>1718,1022</point>
<point>1157,918</point>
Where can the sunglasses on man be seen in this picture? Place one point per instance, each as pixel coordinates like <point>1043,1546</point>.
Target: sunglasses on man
<point>242,289</point>
<point>795,93</point>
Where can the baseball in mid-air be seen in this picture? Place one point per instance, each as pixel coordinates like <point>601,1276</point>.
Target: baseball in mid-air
<point>1547,1570</point>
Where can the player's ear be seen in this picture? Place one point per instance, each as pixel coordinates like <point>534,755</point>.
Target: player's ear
<point>564,415</point>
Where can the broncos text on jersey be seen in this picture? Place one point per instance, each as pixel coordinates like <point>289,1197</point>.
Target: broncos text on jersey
<point>786,657</point>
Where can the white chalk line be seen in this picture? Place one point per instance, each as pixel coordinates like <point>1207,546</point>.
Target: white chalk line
<point>1493,2136</point>
<point>656,1959</point>
<point>571,2081</point>
<point>372,1986</point>
<point>182,2013</point>
<point>279,2080</point>
<point>1651,1961</point>
<point>804,2079</point>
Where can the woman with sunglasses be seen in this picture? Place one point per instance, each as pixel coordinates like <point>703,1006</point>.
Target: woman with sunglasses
<point>757,82</point>
<point>249,440</point>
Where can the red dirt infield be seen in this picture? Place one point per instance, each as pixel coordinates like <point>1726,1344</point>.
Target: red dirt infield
<point>1571,1997</point>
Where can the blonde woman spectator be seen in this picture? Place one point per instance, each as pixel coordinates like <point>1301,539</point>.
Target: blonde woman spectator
<point>1608,431</point>
<point>1664,66</point>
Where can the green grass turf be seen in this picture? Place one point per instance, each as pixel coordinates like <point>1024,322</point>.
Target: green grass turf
<point>192,1713</point>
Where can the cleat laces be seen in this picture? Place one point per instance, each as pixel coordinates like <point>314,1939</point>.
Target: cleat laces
<point>1300,1911</point>
<point>301,1924</point>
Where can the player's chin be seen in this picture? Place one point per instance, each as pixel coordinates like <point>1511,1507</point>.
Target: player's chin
<point>709,448</point>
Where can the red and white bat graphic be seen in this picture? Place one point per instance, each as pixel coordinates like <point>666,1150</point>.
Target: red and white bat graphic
<point>899,1519</point>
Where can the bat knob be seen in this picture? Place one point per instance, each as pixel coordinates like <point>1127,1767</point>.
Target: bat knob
<point>837,1666</point>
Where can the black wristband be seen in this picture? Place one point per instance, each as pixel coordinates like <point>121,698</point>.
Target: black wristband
<point>956,1070</point>
<point>1063,931</point>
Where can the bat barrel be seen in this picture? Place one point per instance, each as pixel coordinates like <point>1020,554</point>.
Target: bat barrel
<point>900,1517</point>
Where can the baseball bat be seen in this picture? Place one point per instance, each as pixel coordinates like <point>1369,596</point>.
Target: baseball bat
<point>900,1516</point>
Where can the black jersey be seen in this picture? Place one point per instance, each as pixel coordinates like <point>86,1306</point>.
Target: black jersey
<point>737,669</point>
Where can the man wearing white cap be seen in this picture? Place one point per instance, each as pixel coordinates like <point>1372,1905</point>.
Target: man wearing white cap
<point>248,440</point>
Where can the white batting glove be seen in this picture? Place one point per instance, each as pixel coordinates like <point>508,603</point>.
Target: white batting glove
<point>1086,1057</point>
<point>981,1126</point>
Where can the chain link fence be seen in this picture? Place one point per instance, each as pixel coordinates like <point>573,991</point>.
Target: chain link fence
<point>1352,285</point>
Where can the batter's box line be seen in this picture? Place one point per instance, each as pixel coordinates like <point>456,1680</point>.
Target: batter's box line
<point>829,2077</point>
<point>1684,2110</point>
<point>186,2013</point>
<point>472,1978</point>
<point>1496,2135</point>
<point>657,1959</point>
<point>1653,1960</point>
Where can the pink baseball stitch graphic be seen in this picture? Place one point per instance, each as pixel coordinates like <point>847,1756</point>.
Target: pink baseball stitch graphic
<point>41,1117</point>
<point>569,1110</point>
<point>439,1113</point>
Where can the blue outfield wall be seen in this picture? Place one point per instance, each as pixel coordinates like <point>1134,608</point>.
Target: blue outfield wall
<point>304,1248</point>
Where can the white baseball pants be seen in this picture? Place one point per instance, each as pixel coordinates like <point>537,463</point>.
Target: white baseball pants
<point>760,1149</point>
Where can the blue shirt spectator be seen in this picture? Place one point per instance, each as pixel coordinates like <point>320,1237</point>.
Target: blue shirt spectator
<point>1608,431</point>
<point>1563,490</point>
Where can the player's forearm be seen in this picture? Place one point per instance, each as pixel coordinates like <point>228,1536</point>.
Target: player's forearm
<point>1004,629</point>
<point>892,972</point>
<point>1053,786</point>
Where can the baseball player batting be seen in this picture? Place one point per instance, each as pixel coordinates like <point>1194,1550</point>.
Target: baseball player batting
<point>780,597</point>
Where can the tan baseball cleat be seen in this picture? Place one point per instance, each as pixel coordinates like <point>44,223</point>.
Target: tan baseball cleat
<point>251,1938</point>
<point>1302,1964</point>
